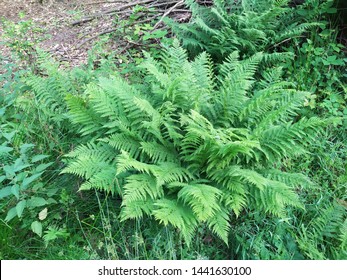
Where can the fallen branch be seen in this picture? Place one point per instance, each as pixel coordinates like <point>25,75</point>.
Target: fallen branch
<point>110,11</point>
<point>105,2</point>
<point>112,30</point>
<point>95,36</point>
<point>161,4</point>
<point>167,13</point>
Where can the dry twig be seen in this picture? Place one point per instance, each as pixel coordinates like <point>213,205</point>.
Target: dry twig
<point>167,13</point>
<point>111,11</point>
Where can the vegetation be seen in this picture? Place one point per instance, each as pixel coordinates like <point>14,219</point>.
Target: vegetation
<point>225,140</point>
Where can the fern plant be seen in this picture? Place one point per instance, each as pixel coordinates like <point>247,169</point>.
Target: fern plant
<point>247,26</point>
<point>42,102</point>
<point>193,147</point>
<point>324,237</point>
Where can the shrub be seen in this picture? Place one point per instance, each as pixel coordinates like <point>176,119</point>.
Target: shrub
<point>193,147</point>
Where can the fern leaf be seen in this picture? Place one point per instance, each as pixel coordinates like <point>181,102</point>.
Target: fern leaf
<point>137,209</point>
<point>80,114</point>
<point>220,224</point>
<point>203,199</point>
<point>139,187</point>
<point>172,212</point>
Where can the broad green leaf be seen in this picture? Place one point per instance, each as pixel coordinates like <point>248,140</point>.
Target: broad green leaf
<point>4,192</point>
<point>36,202</point>
<point>43,166</point>
<point>25,147</point>
<point>20,176</point>
<point>2,178</point>
<point>36,227</point>
<point>5,149</point>
<point>20,165</point>
<point>38,186</point>
<point>155,34</point>
<point>53,233</point>
<point>9,171</point>
<point>43,214</point>
<point>15,191</point>
<point>302,12</point>
<point>38,158</point>
<point>51,201</point>
<point>30,179</point>
<point>20,207</point>
<point>52,191</point>
<point>11,214</point>
<point>331,11</point>
<point>9,136</point>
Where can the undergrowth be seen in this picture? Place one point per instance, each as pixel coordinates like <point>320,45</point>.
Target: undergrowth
<point>230,146</point>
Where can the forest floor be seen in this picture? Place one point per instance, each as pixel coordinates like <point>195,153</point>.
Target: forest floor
<point>63,40</point>
<point>69,42</point>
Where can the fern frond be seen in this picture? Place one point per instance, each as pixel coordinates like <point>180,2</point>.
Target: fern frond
<point>275,197</point>
<point>111,97</point>
<point>172,212</point>
<point>104,179</point>
<point>220,224</point>
<point>159,152</point>
<point>287,140</point>
<point>294,31</point>
<point>325,236</point>
<point>137,209</point>
<point>139,187</point>
<point>129,142</point>
<point>167,172</point>
<point>125,162</point>
<point>290,179</point>
<point>155,70</point>
<point>235,195</point>
<point>82,115</point>
<point>203,199</point>
<point>89,160</point>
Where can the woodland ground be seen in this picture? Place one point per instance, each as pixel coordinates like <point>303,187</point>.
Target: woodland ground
<point>55,17</point>
<point>86,225</point>
<point>71,42</point>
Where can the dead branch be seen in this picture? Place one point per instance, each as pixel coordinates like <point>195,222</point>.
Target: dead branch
<point>96,36</point>
<point>162,9</point>
<point>113,30</point>
<point>105,2</point>
<point>167,13</point>
<point>110,11</point>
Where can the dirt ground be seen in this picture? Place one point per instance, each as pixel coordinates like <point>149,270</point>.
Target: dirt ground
<point>55,17</point>
<point>65,41</point>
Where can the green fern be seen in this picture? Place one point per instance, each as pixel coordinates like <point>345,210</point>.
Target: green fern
<point>324,237</point>
<point>195,147</point>
<point>246,26</point>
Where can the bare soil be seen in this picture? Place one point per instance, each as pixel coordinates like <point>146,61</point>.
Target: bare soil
<point>62,39</point>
